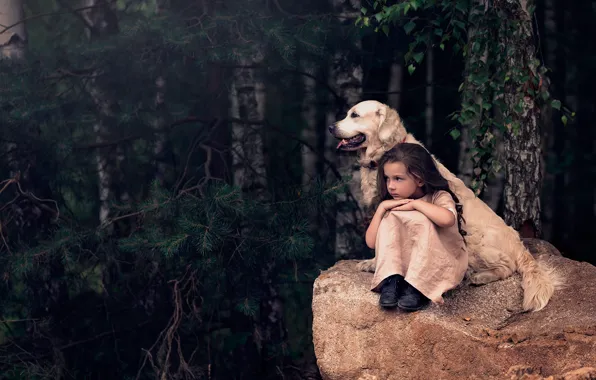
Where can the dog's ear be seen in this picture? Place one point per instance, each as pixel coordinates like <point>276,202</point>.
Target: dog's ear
<point>387,124</point>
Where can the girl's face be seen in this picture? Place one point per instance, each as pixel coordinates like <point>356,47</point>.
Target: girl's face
<point>400,183</point>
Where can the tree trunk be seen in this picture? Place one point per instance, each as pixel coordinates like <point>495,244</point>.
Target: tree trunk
<point>248,103</point>
<point>429,95</point>
<point>161,116</point>
<point>475,62</point>
<point>248,160</point>
<point>309,132</point>
<point>582,140</point>
<point>548,29</point>
<point>346,79</point>
<point>523,144</point>
<point>394,88</point>
<point>13,41</point>
<point>493,192</point>
<point>101,21</point>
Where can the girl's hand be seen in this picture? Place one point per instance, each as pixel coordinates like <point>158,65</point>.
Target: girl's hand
<point>399,204</point>
<point>405,205</point>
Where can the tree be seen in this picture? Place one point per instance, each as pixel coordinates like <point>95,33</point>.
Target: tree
<point>345,78</point>
<point>523,140</point>
<point>501,94</point>
<point>172,290</point>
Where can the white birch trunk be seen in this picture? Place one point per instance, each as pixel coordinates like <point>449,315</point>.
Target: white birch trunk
<point>347,82</point>
<point>523,148</point>
<point>13,43</point>
<point>248,103</point>
<point>101,22</point>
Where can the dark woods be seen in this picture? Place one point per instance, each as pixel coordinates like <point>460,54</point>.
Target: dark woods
<point>169,191</point>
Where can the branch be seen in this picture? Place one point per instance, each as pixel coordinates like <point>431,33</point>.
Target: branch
<point>46,15</point>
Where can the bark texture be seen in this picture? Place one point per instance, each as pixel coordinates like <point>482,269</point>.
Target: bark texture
<point>101,22</point>
<point>13,38</point>
<point>523,144</point>
<point>248,103</point>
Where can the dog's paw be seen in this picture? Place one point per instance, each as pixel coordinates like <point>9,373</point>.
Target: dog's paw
<point>482,278</point>
<point>366,265</point>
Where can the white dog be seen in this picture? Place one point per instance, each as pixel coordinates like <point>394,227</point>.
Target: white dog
<point>495,249</point>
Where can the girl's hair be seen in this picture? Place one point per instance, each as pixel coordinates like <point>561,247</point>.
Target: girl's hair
<point>420,164</point>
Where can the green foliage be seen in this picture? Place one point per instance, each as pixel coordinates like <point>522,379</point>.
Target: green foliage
<point>478,33</point>
<point>190,264</point>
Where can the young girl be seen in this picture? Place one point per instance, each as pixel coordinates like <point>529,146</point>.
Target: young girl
<point>416,231</point>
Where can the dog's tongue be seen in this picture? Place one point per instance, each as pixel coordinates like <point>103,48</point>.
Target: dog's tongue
<point>342,142</point>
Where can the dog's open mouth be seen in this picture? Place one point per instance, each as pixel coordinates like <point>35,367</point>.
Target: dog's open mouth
<point>351,143</point>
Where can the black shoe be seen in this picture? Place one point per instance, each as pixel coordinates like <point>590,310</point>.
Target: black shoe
<point>390,291</point>
<point>412,299</point>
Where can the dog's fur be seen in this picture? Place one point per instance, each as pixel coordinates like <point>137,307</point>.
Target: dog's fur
<point>495,249</point>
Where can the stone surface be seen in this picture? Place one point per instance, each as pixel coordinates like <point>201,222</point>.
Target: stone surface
<point>479,333</point>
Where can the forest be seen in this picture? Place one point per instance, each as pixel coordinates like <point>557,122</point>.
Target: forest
<point>169,189</point>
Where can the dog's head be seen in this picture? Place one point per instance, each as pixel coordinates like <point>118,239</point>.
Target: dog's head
<point>370,126</point>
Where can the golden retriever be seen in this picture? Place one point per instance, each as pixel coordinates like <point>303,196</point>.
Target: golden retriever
<point>495,249</point>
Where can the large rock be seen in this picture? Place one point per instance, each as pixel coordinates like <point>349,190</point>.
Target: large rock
<point>479,333</point>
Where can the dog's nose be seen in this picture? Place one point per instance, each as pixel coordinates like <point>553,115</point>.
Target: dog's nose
<point>331,128</point>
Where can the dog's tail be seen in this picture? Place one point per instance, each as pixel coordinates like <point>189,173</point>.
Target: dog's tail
<point>539,279</point>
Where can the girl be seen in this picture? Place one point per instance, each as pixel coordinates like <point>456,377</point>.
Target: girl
<point>416,231</point>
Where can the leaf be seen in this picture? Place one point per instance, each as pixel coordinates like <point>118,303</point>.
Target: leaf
<point>442,46</point>
<point>418,57</point>
<point>363,10</point>
<point>411,69</point>
<point>564,119</point>
<point>409,26</point>
<point>556,104</point>
<point>385,29</point>
<point>455,133</point>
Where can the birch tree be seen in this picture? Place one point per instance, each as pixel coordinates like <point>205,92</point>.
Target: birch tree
<point>247,98</point>
<point>101,21</point>
<point>247,101</point>
<point>523,144</point>
<point>13,36</point>
<point>161,114</point>
<point>13,42</point>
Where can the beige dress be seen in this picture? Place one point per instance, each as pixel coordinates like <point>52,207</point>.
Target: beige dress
<point>432,259</point>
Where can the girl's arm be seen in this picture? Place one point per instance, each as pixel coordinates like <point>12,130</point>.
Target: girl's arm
<point>373,227</point>
<point>437,214</point>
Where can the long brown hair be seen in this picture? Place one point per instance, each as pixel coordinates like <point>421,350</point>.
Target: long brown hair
<point>420,164</point>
